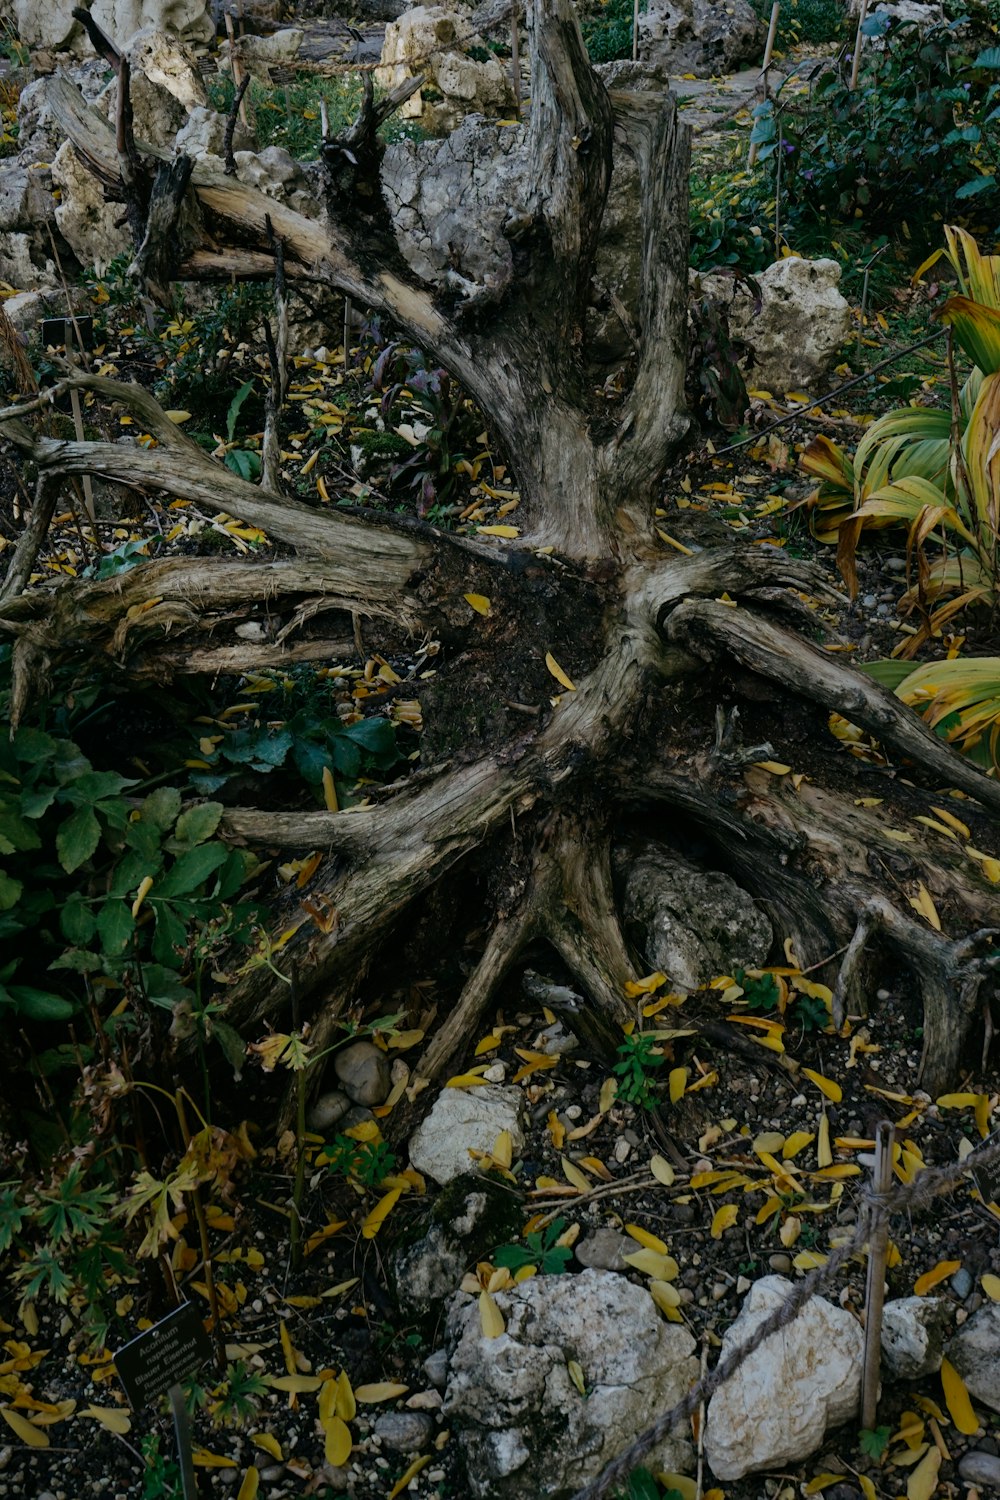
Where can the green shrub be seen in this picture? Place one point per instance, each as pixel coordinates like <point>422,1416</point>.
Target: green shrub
<point>608,31</point>
<point>812,21</point>
<point>912,144</point>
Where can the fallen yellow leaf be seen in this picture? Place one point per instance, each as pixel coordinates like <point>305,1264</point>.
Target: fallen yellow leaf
<point>490,1317</point>
<point>957,1399</point>
<point>380,1390</point>
<point>825,1085</point>
<point>558,673</point>
<point>725,1218</point>
<point>411,1473</point>
<point>922,1483</point>
<point>938,1273</point>
<point>251,1483</point>
<point>478,602</point>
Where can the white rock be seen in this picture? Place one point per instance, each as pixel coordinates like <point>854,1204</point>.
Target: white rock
<point>462,1119</point>
<point>912,1335</point>
<point>187,20</point>
<point>524,1428</point>
<point>87,223</point>
<point>432,39</point>
<point>699,36</point>
<point>258,54</point>
<point>800,329</point>
<point>975,1353</point>
<point>804,1379</point>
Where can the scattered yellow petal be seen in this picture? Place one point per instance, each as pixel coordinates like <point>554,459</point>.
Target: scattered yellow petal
<point>558,673</point>
<point>206,1460</point>
<point>575,1372</point>
<point>938,1273</point>
<point>411,1473</point>
<point>269,1444</point>
<point>29,1433</point>
<point>825,1085</point>
<point>662,1170</point>
<point>251,1483</point>
<point>725,1218</point>
<point>923,903</point>
<point>337,1442</point>
<point>677,1083</point>
<point>490,1317</point>
<point>653,1263</point>
<point>509,531</point>
<point>991,1286</point>
<point>776,767</point>
<point>957,1398</point>
<point>478,602</point>
<point>796,1142</point>
<point>647,1240</point>
<point>381,1390</point>
<point>922,1483</point>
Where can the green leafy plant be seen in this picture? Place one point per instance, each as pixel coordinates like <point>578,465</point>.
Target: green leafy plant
<point>638,1058</point>
<point>812,21</point>
<point>873,1442</point>
<point>607,30</point>
<point>235,1401</point>
<point>540,1249</point>
<point>643,1485</point>
<point>161,1477</point>
<point>959,698</point>
<point>929,469</point>
<point>366,1162</point>
<point>914,141</point>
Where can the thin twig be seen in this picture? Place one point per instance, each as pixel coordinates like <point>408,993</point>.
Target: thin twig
<point>227,139</point>
<point>831,395</point>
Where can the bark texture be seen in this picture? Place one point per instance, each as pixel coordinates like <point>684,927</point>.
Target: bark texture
<point>647,736</point>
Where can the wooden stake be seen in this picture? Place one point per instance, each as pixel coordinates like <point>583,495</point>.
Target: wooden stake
<point>772,32</point>
<point>77,410</point>
<point>515,57</point>
<point>878,1251</point>
<point>858,44</point>
<point>237,70</point>
<point>182,1436</point>
<point>635,30</point>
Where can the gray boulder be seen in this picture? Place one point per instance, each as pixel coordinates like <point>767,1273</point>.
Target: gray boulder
<point>691,924</point>
<point>435,41</point>
<point>700,36</point>
<point>777,1406</point>
<point>975,1353</point>
<point>524,1428</point>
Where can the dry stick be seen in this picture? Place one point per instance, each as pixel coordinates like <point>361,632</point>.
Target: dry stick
<point>515,56</point>
<point>227,139</point>
<point>235,65</point>
<point>878,1254</point>
<point>77,409</point>
<point>864,293</point>
<point>858,44</point>
<point>928,1185</point>
<point>635,30</point>
<point>772,32</point>
<point>839,390</point>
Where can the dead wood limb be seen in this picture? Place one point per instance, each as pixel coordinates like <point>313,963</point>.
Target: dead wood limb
<point>29,544</point>
<point>236,661</point>
<point>506,941</point>
<point>949,975</point>
<point>160,252</point>
<point>276,340</point>
<point>708,629</point>
<point>227,139</point>
<point>579,916</point>
<point>101,43</point>
<point>353,158</point>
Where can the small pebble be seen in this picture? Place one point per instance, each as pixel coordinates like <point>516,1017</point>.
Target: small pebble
<point>719,1290</point>
<point>622,1150</point>
<point>404,1431</point>
<point>573,1112</point>
<point>895,564</point>
<point>424,1401</point>
<point>977,1467</point>
<point>435,1367</point>
<point>273,1473</point>
<point>780,1263</point>
<point>961,1283</point>
<point>496,1073</point>
<point>743,1284</point>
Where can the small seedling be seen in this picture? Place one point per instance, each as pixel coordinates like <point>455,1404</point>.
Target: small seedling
<point>638,1057</point>
<point>539,1250</point>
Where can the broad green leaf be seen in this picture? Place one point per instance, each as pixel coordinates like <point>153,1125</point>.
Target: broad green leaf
<point>39,1005</point>
<point>77,921</point>
<point>10,891</point>
<point>235,406</point>
<point>977,331</point>
<point>192,869</point>
<point>77,839</point>
<point>198,823</point>
<point>170,939</point>
<point>161,807</point>
<point>116,925</point>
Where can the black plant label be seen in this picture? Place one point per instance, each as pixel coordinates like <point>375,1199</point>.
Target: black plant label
<point>163,1355</point>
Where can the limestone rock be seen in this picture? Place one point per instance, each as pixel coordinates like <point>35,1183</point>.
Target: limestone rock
<point>975,1353</point>
<point>276,173</point>
<point>257,55</point>
<point>706,37</point>
<point>203,134</point>
<point>87,223</point>
<point>187,20</point>
<point>166,86</point>
<point>801,326</point>
<point>691,924</point>
<point>462,1119</point>
<point>469,1219</point>
<point>48,24</point>
<point>524,1429</point>
<point>633,77</point>
<point>925,15</point>
<point>980,1468</point>
<point>913,1335</point>
<point>434,40</point>
<point>804,1379</point>
<point>450,199</point>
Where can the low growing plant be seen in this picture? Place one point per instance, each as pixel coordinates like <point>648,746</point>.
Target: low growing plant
<point>639,1056</point>
<point>541,1249</point>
